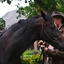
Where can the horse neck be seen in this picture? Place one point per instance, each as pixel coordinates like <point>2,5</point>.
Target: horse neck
<point>36,27</point>
<point>30,33</point>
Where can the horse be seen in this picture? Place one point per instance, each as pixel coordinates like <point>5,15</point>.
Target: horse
<point>21,35</point>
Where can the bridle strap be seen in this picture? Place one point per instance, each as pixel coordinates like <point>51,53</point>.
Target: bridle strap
<point>51,39</point>
<point>47,34</point>
<point>57,38</point>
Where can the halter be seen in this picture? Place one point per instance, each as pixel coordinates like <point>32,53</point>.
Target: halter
<point>47,34</point>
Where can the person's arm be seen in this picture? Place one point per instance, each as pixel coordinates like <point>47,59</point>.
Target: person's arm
<point>55,53</point>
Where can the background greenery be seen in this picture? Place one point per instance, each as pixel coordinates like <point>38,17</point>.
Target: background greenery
<point>2,22</point>
<point>31,57</point>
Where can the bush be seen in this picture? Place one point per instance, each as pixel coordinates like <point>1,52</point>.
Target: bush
<point>31,57</point>
<point>35,59</point>
<point>25,60</point>
<point>29,53</point>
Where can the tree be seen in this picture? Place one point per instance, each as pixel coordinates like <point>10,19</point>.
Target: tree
<point>8,1</point>
<point>2,22</point>
<point>35,6</point>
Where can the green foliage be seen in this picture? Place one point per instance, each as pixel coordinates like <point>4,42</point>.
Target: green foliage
<point>48,4</point>
<point>29,11</point>
<point>60,5</point>
<point>29,53</point>
<point>25,60</point>
<point>20,10</point>
<point>33,9</point>
<point>2,22</point>
<point>25,1</point>
<point>34,59</point>
<point>31,57</point>
<point>8,1</point>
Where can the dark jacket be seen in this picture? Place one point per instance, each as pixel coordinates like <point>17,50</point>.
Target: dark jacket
<point>57,56</point>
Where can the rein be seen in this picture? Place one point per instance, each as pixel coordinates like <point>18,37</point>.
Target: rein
<point>47,34</point>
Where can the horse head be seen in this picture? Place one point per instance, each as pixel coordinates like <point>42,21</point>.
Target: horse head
<point>50,32</point>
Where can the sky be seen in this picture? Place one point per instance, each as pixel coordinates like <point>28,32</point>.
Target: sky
<point>4,7</point>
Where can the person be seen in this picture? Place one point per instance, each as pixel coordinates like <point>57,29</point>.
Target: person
<point>56,55</point>
<point>59,20</point>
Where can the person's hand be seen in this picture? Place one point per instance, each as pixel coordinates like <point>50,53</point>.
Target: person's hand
<point>45,48</point>
<point>41,43</point>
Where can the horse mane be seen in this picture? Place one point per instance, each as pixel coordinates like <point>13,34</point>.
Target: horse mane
<point>23,23</point>
<point>33,18</point>
<point>28,23</point>
<point>27,20</point>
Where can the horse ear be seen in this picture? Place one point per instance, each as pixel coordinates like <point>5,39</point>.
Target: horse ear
<point>43,14</point>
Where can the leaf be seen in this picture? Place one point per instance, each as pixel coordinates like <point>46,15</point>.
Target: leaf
<point>2,22</point>
<point>25,1</point>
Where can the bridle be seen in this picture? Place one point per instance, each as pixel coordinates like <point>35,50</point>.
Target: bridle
<point>49,38</point>
<point>47,34</point>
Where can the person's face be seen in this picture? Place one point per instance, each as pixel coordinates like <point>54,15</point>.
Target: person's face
<point>56,21</point>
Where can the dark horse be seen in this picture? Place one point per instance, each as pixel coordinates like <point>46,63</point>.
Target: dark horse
<point>21,35</point>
